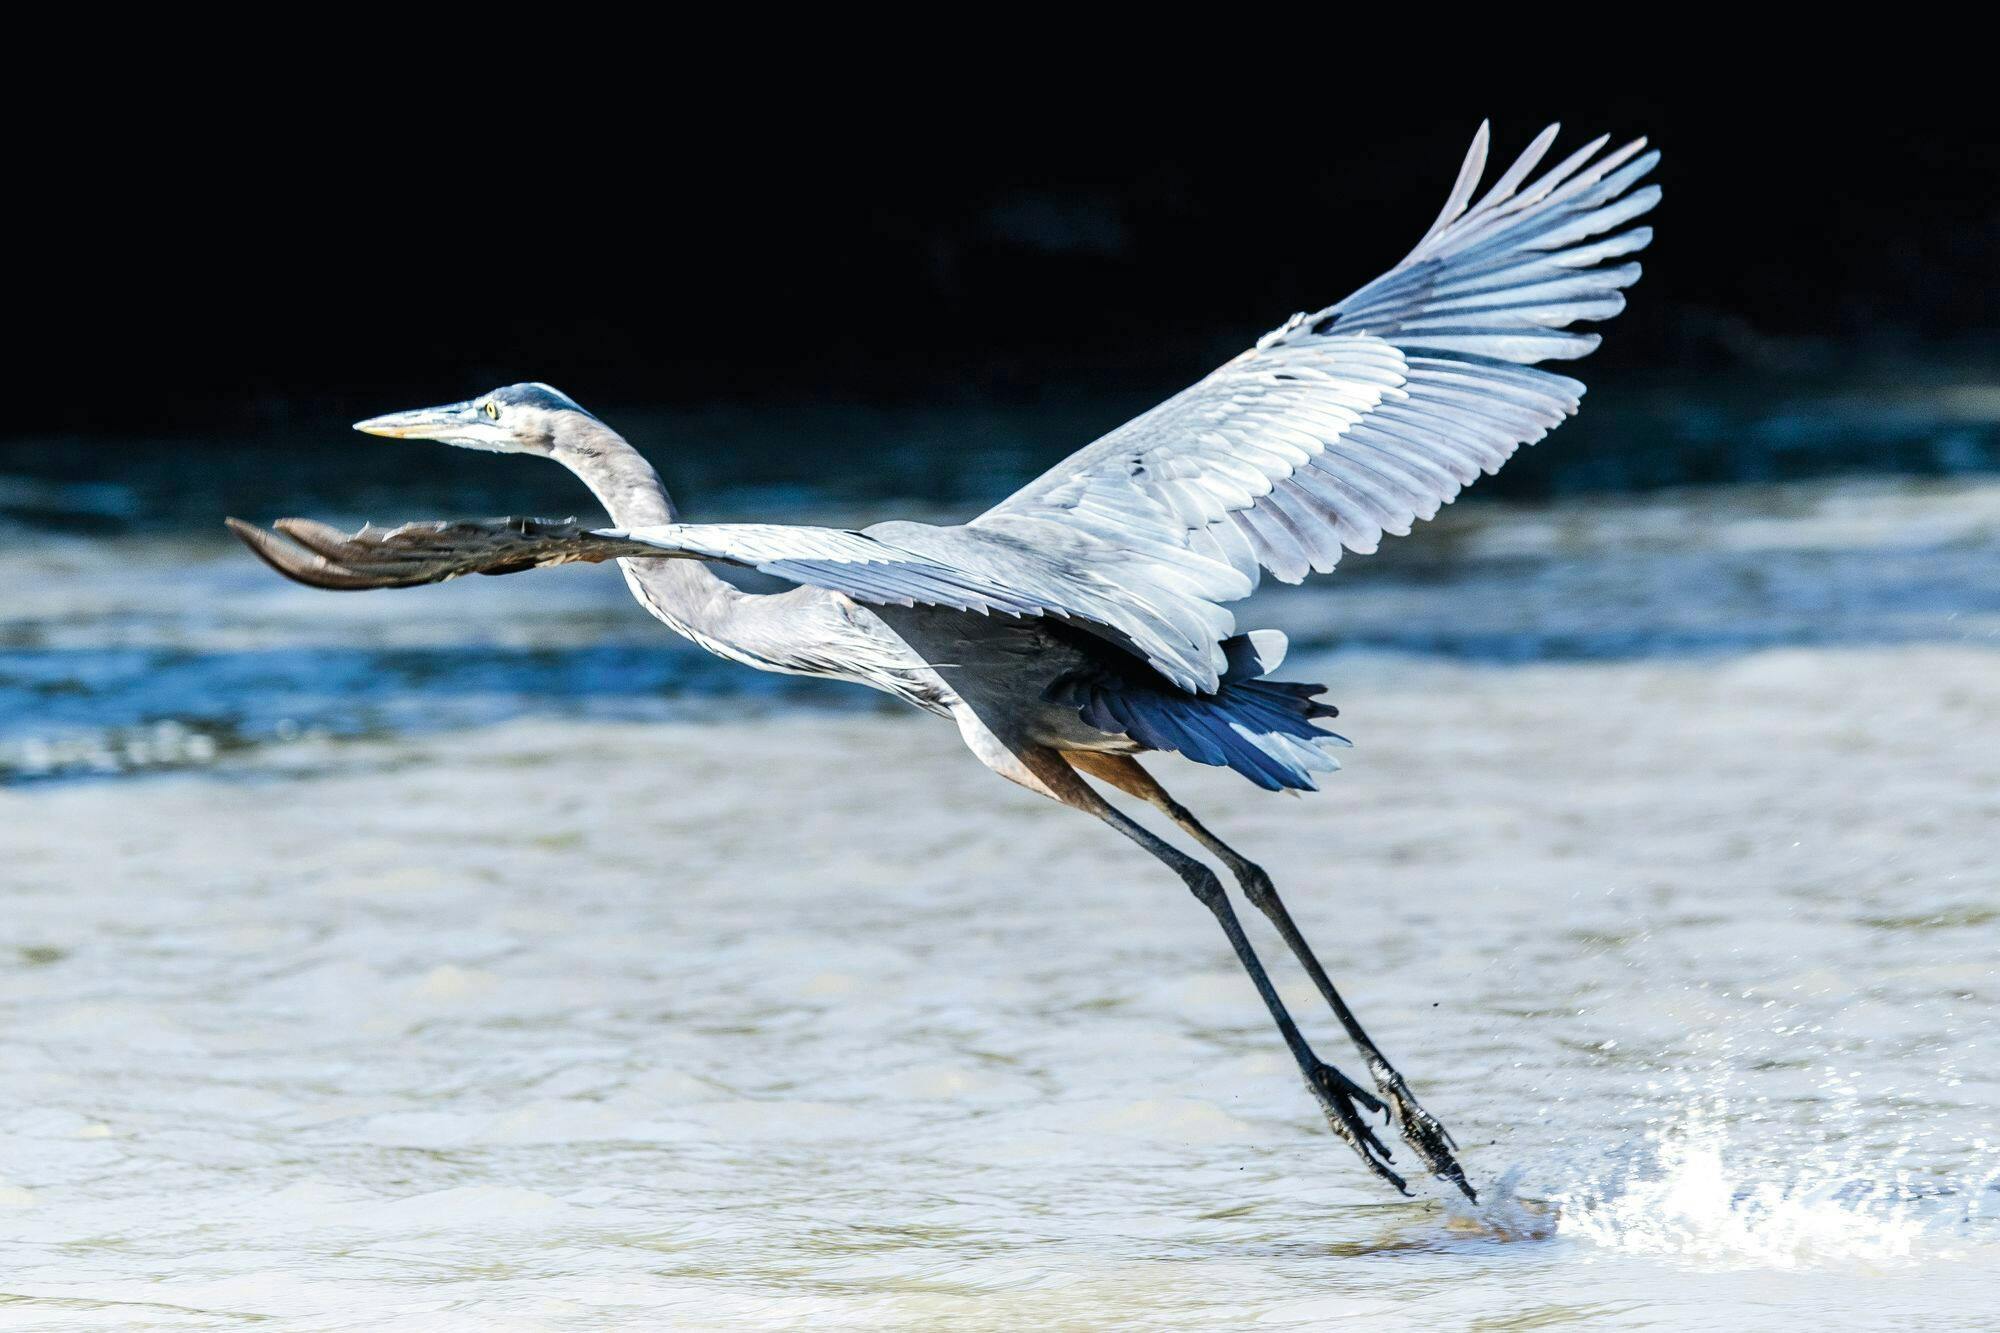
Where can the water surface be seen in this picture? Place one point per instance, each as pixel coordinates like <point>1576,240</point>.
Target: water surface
<point>481,957</point>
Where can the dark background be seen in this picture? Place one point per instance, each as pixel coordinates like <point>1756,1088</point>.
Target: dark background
<point>231,266</point>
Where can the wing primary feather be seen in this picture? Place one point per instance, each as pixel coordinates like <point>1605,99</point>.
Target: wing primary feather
<point>1469,172</point>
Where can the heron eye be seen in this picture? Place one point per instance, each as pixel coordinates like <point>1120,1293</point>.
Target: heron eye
<point>492,411</point>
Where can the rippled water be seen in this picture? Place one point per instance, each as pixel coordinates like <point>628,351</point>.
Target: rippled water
<point>479,957</point>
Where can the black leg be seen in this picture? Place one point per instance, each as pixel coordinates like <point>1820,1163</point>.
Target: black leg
<point>1337,1094</point>
<point>1420,1129</point>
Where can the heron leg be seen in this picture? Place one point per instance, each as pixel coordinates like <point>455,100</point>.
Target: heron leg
<point>1420,1129</point>
<point>1339,1096</point>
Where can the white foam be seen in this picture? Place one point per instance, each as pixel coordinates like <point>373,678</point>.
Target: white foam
<point>1691,1199</point>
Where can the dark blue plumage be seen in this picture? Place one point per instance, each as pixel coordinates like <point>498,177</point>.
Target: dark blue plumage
<point>1262,729</point>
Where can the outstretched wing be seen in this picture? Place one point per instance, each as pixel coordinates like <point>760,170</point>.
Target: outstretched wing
<point>1365,416</point>
<point>891,564</point>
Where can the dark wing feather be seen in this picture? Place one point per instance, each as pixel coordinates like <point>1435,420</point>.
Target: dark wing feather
<point>417,553</point>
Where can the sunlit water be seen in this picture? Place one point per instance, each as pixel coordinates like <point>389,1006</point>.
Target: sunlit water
<point>480,958</point>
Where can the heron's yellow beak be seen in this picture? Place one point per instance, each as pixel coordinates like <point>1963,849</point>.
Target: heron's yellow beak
<point>473,424</point>
<point>428,424</point>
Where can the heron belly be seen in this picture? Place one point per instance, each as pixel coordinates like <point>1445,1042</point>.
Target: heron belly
<point>1003,669</point>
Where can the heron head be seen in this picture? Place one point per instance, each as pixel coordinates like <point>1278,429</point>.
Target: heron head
<point>519,419</point>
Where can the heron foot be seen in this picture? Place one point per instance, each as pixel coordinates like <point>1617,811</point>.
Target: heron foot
<point>1342,1099</point>
<point>1431,1141</point>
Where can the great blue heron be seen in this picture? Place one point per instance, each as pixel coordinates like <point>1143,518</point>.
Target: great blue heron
<point>1082,620</point>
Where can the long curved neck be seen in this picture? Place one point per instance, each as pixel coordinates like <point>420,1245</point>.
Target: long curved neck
<point>685,594</point>
<point>617,474</point>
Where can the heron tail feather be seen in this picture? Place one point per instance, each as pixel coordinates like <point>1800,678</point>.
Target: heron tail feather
<point>1261,728</point>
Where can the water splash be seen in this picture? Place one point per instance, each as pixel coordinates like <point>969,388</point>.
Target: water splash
<point>1503,1213</point>
<point>1691,1193</point>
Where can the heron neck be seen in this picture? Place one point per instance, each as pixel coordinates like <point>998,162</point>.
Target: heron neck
<point>685,594</point>
<point>617,474</point>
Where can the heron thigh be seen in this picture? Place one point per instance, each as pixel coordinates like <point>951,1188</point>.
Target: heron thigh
<point>995,753</point>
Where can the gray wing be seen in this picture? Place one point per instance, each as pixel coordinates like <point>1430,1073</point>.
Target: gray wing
<point>891,564</point>
<point>1365,416</point>
<point>417,553</point>
<point>1335,428</point>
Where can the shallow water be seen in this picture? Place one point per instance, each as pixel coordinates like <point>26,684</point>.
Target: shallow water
<point>479,957</point>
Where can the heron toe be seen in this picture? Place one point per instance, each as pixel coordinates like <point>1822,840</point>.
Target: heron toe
<point>1431,1141</point>
<point>1341,1098</point>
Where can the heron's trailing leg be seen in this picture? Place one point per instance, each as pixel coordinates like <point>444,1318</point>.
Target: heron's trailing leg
<point>1431,1141</point>
<point>1339,1096</point>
